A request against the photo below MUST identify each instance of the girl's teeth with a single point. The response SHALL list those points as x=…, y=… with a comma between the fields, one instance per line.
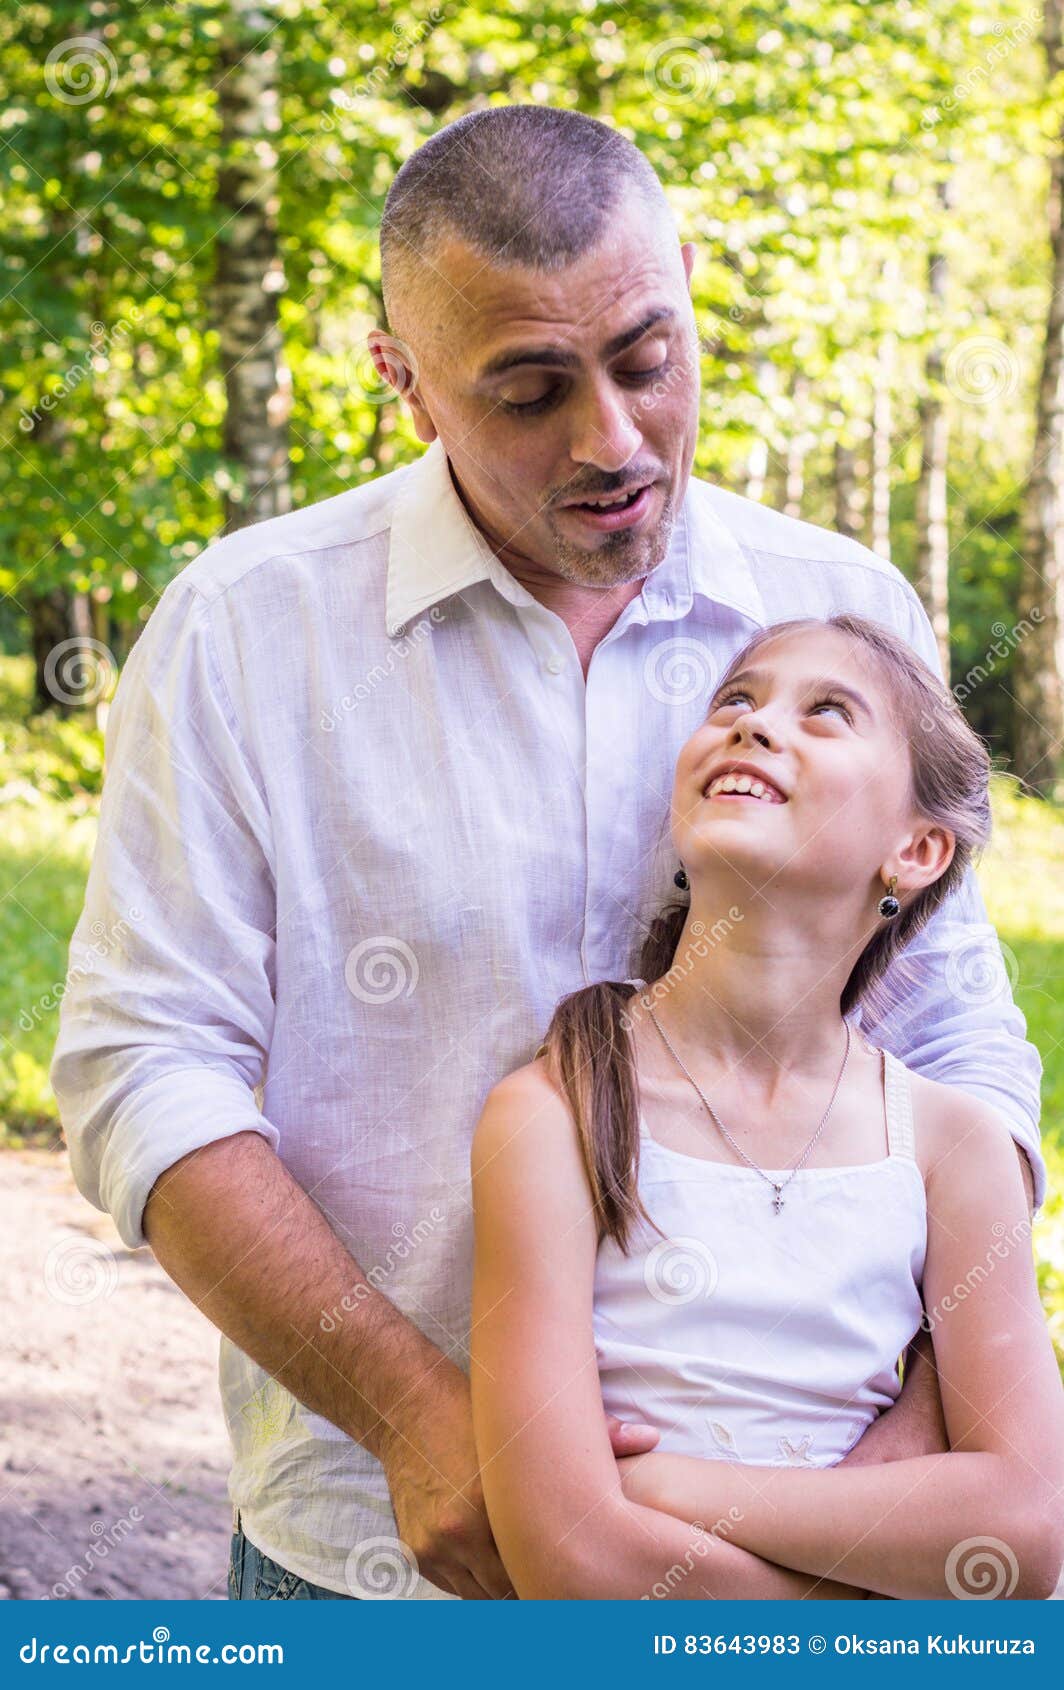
x=743, y=783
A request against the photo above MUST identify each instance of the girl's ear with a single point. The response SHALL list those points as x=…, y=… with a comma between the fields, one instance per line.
x=923, y=858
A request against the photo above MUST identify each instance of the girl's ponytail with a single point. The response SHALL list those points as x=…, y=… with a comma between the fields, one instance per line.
x=589, y=1055
x=589, y=1058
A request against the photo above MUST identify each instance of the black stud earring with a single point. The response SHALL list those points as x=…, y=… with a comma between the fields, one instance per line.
x=680, y=879
x=889, y=905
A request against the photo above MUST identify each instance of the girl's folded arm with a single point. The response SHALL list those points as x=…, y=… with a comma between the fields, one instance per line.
x=923, y=1527
x=562, y=1524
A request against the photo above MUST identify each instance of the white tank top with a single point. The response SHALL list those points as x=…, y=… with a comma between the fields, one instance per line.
x=764, y=1338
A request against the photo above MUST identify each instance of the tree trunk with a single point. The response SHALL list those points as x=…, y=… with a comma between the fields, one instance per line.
x=1038, y=717
x=757, y=469
x=932, y=502
x=249, y=273
x=794, y=469
x=63, y=679
x=849, y=511
x=881, y=447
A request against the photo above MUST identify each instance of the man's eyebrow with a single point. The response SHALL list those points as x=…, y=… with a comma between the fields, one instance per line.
x=822, y=683
x=557, y=360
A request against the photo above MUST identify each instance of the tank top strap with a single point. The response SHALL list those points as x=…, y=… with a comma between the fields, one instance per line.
x=897, y=1091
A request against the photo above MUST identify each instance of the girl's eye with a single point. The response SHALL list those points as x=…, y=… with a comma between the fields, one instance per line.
x=729, y=698
x=833, y=704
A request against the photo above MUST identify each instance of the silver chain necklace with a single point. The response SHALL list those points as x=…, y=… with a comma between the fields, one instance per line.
x=777, y=1185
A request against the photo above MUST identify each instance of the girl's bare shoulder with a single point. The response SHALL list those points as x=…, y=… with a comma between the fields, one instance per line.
x=953, y=1130
x=526, y=1102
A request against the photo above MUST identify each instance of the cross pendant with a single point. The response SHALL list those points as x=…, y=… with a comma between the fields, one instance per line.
x=777, y=1201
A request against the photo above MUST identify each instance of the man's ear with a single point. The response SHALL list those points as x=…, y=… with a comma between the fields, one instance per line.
x=687, y=253
x=397, y=366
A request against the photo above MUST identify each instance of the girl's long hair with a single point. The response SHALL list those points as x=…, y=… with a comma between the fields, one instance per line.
x=588, y=1047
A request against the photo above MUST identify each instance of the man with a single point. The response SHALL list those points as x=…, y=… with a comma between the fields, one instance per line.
x=387, y=777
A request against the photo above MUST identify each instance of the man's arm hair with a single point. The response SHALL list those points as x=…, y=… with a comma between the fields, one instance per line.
x=245, y=1243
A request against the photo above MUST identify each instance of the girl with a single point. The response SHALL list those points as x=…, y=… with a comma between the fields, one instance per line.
x=708, y=1204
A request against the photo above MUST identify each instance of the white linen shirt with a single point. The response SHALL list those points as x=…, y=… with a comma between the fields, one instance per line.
x=364, y=823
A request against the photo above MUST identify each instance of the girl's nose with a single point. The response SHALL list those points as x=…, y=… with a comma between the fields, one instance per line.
x=756, y=732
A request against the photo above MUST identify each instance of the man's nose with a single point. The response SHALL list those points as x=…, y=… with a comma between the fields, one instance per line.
x=603, y=433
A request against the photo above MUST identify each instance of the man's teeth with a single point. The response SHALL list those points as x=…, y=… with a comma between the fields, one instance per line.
x=608, y=504
x=743, y=783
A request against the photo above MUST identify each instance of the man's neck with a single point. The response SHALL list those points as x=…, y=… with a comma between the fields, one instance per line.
x=588, y=612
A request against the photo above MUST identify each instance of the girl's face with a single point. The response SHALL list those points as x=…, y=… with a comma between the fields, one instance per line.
x=827, y=774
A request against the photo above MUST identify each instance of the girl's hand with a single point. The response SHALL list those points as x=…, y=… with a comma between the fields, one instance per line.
x=630, y=1437
x=644, y=1478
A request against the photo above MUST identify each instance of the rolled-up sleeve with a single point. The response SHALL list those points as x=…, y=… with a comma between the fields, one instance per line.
x=168, y=1006
x=950, y=1013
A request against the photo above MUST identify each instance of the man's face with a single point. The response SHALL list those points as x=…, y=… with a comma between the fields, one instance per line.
x=548, y=389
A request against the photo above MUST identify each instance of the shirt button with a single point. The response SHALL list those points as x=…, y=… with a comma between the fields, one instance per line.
x=554, y=664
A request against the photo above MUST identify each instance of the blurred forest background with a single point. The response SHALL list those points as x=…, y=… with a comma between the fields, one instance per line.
x=189, y=199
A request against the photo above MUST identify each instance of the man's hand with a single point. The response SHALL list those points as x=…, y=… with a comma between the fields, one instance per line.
x=915, y=1425
x=430, y=1461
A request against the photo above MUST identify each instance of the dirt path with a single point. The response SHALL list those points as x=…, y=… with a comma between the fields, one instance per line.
x=113, y=1451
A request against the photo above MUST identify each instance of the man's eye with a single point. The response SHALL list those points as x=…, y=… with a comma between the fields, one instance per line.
x=529, y=407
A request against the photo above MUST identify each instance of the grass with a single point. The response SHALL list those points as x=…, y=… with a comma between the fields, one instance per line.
x=50, y=779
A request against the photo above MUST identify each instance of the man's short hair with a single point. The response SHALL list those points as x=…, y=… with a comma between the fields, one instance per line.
x=530, y=185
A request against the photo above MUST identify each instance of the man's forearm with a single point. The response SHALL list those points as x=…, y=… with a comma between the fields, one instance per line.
x=245, y=1243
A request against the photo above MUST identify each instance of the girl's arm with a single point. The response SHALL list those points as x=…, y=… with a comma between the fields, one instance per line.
x=550, y=1479
x=928, y=1526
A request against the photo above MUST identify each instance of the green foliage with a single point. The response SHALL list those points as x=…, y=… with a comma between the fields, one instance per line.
x=801, y=147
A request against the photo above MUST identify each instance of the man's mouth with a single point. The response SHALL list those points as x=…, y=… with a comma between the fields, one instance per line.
x=613, y=510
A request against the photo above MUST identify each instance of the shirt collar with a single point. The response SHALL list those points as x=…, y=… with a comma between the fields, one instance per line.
x=436, y=550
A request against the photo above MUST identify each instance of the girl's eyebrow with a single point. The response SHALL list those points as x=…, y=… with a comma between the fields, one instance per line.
x=859, y=702
x=822, y=682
